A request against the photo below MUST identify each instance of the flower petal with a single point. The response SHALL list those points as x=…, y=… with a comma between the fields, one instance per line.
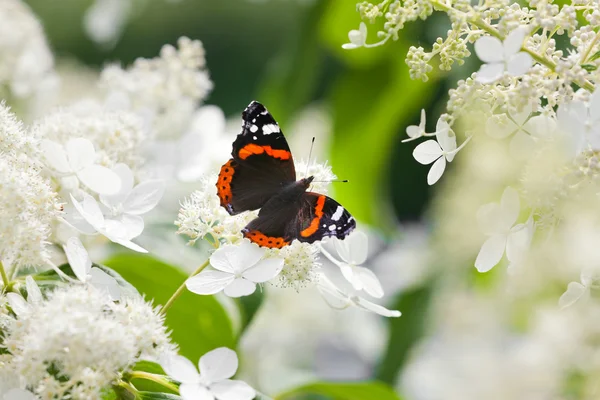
x=332, y=295
x=540, y=126
x=236, y=258
x=195, y=392
x=218, y=364
x=19, y=394
x=514, y=41
x=209, y=282
x=100, y=179
x=103, y=281
x=240, y=287
x=575, y=291
x=594, y=109
x=489, y=73
x=126, y=176
x=18, y=304
x=445, y=137
x=80, y=153
x=349, y=46
x=131, y=225
x=521, y=145
x=519, y=64
x=354, y=248
x=376, y=308
x=264, y=271
x=518, y=241
x=436, y=171
x=78, y=258
x=510, y=206
x=179, y=368
x=490, y=219
x=369, y=281
x=34, y=294
x=491, y=253
x=348, y=273
x=144, y=197
x=427, y=152
x=232, y=390
x=89, y=210
x=489, y=49
x=55, y=156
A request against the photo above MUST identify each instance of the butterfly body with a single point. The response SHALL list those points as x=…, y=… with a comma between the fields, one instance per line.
x=261, y=175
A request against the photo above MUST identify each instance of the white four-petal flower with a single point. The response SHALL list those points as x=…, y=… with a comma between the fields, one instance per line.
x=416, y=131
x=216, y=367
x=580, y=123
x=579, y=291
x=81, y=264
x=114, y=230
x=502, y=56
x=126, y=206
x=237, y=270
x=357, y=38
x=77, y=159
x=340, y=300
x=438, y=152
x=352, y=252
x=498, y=222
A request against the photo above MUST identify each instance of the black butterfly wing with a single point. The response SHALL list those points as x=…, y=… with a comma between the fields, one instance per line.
x=313, y=217
x=261, y=165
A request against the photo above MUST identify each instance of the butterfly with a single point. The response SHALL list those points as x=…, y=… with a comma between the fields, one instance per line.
x=261, y=175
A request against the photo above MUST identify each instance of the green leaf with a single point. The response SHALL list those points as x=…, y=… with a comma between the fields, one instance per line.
x=371, y=390
x=199, y=323
x=589, y=67
x=157, y=396
x=148, y=366
x=595, y=56
x=405, y=331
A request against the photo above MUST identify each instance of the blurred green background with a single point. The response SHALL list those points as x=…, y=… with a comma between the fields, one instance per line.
x=287, y=54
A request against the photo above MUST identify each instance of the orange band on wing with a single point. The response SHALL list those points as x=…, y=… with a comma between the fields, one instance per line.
x=265, y=241
x=314, y=224
x=251, y=149
x=224, y=183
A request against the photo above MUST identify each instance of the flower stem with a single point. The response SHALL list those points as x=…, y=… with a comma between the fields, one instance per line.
x=181, y=288
x=161, y=380
x=5, y=280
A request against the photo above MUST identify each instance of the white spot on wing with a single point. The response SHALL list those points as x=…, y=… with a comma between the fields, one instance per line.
x=254, y=137
x=338, y=213
x=253, y=128
x=265, y=112
x=270, y=128
x=332, y=227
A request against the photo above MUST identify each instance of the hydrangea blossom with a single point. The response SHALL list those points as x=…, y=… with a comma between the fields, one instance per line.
x=237, y=270
x=577, y=291
x=339, y=299
x=103, y=338
x=498, y=222
x=358, y=38
x=19, y=305
x=216, y=368
x=300, y=264
x=500, y=57
x=352, y=252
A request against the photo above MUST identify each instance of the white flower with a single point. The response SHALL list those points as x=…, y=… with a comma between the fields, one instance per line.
x=19, y=305
x=81, y=264
x=416, y=131
x=502, y=56
x=78, y=158
x=580, y=122
x=357, y=38
x=216, y=367
x=498, y=222
x=579, y=291
x=86, y=337
x=300, y=264
x=352, y=252
x=126, y=206
x=438, y=152
x=522, y=128
x=105, y=20
x=116, y=231
x=238, y=268
x=338, y=299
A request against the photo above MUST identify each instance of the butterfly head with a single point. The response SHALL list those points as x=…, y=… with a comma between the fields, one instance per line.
x=307, y=181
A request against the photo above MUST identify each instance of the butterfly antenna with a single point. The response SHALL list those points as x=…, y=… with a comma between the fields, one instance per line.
x=312, y=144
x=335, y=181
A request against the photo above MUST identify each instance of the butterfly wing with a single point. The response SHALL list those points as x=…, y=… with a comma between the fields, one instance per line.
x=260, y=166
x=313, y=217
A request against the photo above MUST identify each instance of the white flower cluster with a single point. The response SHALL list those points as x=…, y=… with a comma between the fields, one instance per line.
x=88, y=341
x=28, y=204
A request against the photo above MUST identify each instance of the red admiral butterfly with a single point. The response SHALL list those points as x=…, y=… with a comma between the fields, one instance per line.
x=261, y=174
